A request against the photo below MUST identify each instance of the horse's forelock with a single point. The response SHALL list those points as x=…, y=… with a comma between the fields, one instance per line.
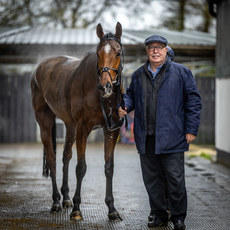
x=106, y=38
x=110, y=36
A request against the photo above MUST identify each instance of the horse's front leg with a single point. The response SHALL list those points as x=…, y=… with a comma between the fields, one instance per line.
x=67, y=155
x=109, y=145
x=81, y=138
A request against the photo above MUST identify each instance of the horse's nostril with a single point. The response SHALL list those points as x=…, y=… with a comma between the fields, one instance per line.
x=108, y=85
x=100, y=87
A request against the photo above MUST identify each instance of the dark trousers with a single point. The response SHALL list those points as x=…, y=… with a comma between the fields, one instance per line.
x=158, y=170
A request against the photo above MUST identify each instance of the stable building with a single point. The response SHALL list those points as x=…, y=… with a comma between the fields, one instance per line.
x=21, y=49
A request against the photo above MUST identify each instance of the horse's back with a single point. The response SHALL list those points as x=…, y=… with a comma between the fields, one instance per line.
x=54, y=68
x=51, y=85
x=67, y=85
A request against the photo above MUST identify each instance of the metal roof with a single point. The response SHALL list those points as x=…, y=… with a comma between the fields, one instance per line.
x=68, y=36
x=191, y=38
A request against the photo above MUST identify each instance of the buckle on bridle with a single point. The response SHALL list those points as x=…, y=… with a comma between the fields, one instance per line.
x=106, y=69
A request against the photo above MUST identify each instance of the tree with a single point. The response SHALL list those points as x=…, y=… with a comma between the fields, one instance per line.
x=174, y=17
x=200, y=7
x=187, y=14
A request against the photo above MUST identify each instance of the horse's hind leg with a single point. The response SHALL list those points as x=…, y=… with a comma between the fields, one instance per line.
x=67, y=155
x=46, y=121
x=81, y=138
x=109, y=145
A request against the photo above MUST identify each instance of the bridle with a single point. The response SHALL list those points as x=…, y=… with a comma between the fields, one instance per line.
x=118, y=71
x=106, y=69
x=110, y=123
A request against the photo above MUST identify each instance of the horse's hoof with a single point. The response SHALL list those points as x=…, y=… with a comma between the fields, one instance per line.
x=67, y=204
x=114, y=216
x=76, y=215
x=55, y=208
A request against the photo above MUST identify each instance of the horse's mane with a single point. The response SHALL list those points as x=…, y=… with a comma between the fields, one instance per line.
x=89, y=55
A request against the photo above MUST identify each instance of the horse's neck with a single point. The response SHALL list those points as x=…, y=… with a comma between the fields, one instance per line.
x=84, y=77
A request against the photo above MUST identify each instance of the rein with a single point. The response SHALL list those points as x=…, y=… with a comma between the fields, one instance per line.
x=109, y=121
x=111, y=125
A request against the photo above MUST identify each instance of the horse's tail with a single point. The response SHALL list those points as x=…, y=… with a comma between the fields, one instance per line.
x=46, y=171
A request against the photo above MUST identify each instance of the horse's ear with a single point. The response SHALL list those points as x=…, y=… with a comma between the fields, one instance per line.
x=118, y=31
x=100, y=32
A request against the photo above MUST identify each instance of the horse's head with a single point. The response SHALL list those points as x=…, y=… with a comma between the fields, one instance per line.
x=109, y=53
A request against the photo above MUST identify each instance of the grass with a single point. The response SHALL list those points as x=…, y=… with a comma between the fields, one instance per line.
x=203, y=154
x=193, y=155
x=206, y=156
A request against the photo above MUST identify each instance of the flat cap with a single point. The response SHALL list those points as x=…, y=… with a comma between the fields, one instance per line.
x=156, y=38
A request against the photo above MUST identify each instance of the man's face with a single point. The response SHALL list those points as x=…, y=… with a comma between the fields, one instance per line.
x=156, y=53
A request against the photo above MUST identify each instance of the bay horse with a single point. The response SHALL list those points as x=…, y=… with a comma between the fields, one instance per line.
x=84, y=94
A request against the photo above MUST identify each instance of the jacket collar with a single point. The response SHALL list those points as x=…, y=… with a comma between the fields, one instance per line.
x=166, y=65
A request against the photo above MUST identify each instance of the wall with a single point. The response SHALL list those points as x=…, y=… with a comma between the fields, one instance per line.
x=17, y=123
x=223, y=83
x=206, y=87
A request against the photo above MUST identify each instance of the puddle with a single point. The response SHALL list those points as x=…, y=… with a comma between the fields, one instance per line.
x=191, y=165
x=199, y=169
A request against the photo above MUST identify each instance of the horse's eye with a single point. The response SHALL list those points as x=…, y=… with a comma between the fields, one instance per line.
x=118, y=53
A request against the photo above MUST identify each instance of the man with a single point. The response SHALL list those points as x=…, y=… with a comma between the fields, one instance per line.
x=167, y=109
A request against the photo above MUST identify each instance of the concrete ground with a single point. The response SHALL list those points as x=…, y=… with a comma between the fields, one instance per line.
x=25, y=196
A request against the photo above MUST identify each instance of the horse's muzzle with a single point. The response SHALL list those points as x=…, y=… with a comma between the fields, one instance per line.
x=106, y=90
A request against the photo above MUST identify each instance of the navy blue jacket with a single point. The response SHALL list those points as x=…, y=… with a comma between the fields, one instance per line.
x=177, y=113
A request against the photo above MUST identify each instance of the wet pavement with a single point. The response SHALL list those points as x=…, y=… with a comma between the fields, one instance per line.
x=25, y=196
